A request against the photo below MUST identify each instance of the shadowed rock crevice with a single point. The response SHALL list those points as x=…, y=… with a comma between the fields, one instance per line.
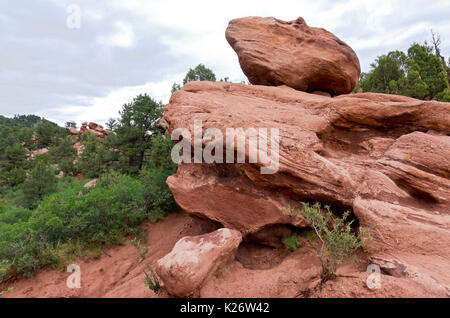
x=255, y=256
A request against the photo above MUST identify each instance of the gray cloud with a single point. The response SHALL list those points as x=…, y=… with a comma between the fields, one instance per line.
x=126, y=46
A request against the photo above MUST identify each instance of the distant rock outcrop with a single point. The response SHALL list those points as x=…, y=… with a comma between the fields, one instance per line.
x=273, y=52
x=91, y=127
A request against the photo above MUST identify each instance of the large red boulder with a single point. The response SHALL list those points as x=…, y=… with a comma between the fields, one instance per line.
x=273, y=52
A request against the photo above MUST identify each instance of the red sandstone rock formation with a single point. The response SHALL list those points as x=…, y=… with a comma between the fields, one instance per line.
x=93, y=128
x=274, y=52
x=73, y=131
x=385, y=158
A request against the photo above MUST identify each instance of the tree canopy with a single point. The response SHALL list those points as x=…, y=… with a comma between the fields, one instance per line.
x=136, y=127
x=199, y=73
x=419, y=73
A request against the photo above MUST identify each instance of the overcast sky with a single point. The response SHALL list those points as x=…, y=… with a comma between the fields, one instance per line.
x=124, y=48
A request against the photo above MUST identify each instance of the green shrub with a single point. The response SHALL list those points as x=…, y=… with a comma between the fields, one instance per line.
x=65, y=223
x=161, y=154
x=15, y=215
x=9, y=290
x=158, y=198
x=63, y=154
x=151, y=280
x=336, y=240
x=291, y=242
x=15, y=177
x=6, y=271
x=142, y=250
x=14, y=197
x=3, y=207
x=444, y=96
x=101, y=216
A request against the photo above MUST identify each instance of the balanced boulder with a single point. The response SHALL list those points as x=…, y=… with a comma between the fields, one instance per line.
x=273, y=52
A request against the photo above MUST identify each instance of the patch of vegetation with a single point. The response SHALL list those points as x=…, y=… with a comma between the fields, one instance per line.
x=291, y=242
x=102, y=216
x=41, y=182
x=10, y=290
x=220, y=271
x=420, y=73
x=151, y=280
x=26, y=130
x=142, y=250
x=336, y=241
x=158, y=197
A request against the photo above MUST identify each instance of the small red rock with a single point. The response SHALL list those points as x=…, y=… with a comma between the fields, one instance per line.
x=195, y=258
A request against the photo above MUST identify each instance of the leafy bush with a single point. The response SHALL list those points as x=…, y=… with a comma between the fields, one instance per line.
x=66, y=222
x=158, y=197
x=15, y=177
x=12, y=169
x=336, y=240
x=142, y=250
x=101, y=216
x=161, y=153
x=151, y=280
x=88, y=162
x=15, y=215
x=444, y=96
x=3, y=207
x=291, y=242
x=9, y=290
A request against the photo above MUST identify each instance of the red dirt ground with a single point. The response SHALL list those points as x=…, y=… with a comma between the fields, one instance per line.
x=256, y=272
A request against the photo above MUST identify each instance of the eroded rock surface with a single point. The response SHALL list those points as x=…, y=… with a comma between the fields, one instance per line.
x=274, y=52
x=385, y=158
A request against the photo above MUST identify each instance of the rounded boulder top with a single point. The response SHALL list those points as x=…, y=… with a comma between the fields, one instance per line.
x=273, y=52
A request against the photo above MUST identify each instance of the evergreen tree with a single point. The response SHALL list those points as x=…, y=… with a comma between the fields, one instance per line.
x=48, y=134
x=111, y=124
x=64, y=155
x=88, y=163
x=200, y=73
x=70, y=124
x=136, y=127
x=41, y=183
x=419, y=74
